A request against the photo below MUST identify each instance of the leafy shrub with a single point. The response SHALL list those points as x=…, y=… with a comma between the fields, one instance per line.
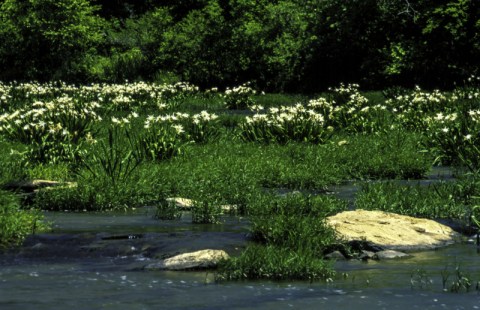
x=206, y=211
x=167, y=210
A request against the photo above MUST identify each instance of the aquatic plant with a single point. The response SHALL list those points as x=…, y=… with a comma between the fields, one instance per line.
x=111, y=159
x=435, y=201
x=16, y=224
x=166, y=210
x=275, y=263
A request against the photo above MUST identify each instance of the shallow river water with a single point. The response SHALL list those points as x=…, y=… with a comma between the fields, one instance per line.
x=93, y=261
x=51, y=273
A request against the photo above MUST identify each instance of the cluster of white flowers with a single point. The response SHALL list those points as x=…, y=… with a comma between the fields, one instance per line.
x=139, y=93
x=239, y=96
x=441, y=122
x=343, y=89
x=203, y=117
x=56, y=118
x=286, y=114
x=114, y=96
x=162, y=119
x=419, y=101
x=122, y=121
x=473, y=79
x=243, y=89
x=321, y=103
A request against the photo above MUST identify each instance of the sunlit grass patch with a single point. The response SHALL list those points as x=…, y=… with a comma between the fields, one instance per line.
x=436, y=201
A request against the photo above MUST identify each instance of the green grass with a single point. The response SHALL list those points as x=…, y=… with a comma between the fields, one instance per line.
x=271, y=262
x=16, y=224
x=436, y=201
x=210, y=164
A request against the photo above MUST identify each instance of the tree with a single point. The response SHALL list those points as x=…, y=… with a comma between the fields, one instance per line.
x=47, y=39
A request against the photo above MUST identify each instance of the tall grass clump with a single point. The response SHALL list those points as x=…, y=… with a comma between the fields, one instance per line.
x=436, y=201
x=16, y=224
x=274, y=263
x=295, y=221
x=394, y=154
x=290, y=236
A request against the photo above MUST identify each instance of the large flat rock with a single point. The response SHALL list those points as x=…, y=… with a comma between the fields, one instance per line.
x=392, y=231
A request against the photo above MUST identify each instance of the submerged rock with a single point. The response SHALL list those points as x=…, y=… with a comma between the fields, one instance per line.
x=203, y=259
x=392, y=231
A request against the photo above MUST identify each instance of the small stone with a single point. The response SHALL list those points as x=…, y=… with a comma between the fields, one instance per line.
x=390, y=254
x=182, y=203
x=364, y=255
x=203, y=259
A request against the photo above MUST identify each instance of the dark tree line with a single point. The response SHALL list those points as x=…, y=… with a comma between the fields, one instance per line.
x=281, y=45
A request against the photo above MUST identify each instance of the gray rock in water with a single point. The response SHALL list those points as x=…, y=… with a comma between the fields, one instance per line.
x=203, y=259
x=364, y=255
x=390, y=254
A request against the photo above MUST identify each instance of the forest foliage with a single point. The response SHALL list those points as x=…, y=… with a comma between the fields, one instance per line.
x=278, y=45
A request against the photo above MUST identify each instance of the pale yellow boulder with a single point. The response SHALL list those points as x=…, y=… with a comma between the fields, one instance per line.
x=392, y=231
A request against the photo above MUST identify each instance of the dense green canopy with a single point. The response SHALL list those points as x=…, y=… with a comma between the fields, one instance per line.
x=281, y=45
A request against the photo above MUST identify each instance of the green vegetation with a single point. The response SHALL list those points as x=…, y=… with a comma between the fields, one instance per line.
x=438, y=201
x=137, y=144
x=224, y=142
x=287, y=45
x=16, y=224
x=294, y=238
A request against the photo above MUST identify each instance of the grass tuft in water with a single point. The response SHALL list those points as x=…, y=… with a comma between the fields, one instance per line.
x=16, y=224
